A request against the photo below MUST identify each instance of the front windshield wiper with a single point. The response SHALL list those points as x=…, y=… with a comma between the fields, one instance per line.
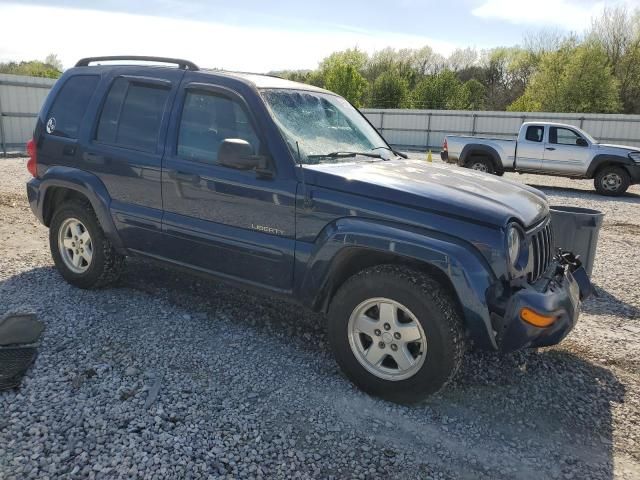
x=346, y=155
x=395, y=152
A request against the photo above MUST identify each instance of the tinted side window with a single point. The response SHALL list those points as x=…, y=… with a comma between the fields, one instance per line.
x=563, y=136
x=132, y=114
x=535, y=134
x=207, y=120
x=70, y=105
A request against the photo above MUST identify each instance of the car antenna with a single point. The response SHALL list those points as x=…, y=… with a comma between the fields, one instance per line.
x=307, y=203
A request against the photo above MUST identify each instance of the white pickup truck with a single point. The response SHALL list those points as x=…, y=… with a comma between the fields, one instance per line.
x=549, y=149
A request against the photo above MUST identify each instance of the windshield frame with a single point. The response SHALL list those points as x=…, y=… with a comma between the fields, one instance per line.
x=320, y=92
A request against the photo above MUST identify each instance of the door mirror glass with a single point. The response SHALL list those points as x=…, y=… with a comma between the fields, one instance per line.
x=581, y=142
x=238, y=153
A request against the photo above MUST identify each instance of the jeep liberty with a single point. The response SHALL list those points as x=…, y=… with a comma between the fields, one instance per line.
x=287, y=189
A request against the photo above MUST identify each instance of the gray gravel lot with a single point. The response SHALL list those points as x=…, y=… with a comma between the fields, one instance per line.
x=169, y=375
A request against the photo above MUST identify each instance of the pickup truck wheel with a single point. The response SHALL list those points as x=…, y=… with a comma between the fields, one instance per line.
x=480, y=164
x=396, y=333
x=612, y=181
x=81, y=252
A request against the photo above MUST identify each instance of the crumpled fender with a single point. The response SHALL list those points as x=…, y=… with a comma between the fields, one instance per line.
x=469, y=273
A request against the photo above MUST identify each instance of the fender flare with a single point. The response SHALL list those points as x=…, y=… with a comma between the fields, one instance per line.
x=85, y=183
x=489, y=151
x=462, y=264
x=608, y=159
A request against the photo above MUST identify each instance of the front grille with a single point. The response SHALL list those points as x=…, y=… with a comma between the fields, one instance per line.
x=540, y=251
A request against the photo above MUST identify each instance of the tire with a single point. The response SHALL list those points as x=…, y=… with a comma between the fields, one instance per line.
x=611, y=181
x=431, y=311
x=99, y=264
x=481, y=164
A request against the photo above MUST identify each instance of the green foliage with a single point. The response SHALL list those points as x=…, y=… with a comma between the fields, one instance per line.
x=389, y=90
x=345, y=80
x=599, y=73
x=441, y=91
x=50, y=68
x=572, y=79
x=474, y=95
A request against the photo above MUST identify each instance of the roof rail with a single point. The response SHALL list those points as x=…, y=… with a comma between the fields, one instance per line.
x=182, y=64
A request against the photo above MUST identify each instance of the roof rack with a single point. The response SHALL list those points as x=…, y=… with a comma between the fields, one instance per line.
x=182, y=64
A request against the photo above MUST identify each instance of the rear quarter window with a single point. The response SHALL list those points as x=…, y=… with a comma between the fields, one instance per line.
x=68, y=109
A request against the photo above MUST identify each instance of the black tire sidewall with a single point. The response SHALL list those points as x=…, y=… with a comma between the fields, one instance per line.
x=626, y=181
x=484, y=161
x=440, y=357
x=90, y=277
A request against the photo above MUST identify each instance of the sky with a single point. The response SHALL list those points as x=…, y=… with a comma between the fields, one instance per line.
x=263, y=35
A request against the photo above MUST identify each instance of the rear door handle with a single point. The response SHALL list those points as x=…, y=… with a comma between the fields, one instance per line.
x=185, y=177
x=550, y=148
x=69, y=150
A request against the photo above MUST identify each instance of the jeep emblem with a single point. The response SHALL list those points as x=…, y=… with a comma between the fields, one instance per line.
x=51, y=125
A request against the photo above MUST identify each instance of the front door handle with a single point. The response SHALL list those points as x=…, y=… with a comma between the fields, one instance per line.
x=550, y=148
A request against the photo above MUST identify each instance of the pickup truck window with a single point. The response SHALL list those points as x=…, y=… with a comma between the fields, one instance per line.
x=321, y=123
x=535, y=133
x=207, y=120
x=132, y=114
x=563, y=136
x=69, y=107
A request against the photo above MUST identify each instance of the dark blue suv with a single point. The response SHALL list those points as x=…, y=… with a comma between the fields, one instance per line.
x=287, y=189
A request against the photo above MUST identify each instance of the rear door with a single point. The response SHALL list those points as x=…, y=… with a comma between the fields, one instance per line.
x=566, y=152
x=126, y=146
x=230, y=222
x=530, y=151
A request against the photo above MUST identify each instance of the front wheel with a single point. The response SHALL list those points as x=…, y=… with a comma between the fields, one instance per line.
x=612, y=181
x=396, y=333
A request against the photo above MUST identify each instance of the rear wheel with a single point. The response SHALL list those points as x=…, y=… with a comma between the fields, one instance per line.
x=612, y=181
x=396, y=333
x=80, y=250
x=481, y=164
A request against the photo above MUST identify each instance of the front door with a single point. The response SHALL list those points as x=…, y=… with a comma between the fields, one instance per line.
x=566, y=152
x=231, y=222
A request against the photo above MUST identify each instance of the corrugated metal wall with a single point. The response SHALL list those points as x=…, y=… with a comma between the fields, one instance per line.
x=20, y=101
x=422, y=129
x=21, y=98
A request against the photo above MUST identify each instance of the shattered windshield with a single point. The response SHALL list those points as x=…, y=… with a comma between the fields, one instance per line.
x=326, y=127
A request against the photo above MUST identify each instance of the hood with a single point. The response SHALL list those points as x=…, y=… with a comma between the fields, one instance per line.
x=455, y=191
x=627, y=149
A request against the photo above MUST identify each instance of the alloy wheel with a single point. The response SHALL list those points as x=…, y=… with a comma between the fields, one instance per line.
x=387, y=339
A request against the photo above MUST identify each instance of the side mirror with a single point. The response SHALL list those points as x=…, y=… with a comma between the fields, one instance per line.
x=238, y=153
x=581, y=142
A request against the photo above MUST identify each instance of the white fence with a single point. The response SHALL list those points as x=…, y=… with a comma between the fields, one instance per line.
x=422, y=129
x=21, y=98
x=20, y=101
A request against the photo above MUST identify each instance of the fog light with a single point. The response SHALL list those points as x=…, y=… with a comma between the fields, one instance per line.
x=536, y=319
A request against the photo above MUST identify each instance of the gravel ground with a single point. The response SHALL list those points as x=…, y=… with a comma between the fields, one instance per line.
x=167, y=375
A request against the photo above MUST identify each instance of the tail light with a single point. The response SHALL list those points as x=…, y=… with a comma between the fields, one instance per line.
x=32, y=164
x=445, y=146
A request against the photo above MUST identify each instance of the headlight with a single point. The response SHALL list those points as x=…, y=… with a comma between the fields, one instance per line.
x=515, y=247
x=635, y=156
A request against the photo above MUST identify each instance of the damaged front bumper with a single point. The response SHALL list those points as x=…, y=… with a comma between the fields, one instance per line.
x=542, y=313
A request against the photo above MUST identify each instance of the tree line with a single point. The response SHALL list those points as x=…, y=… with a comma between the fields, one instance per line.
x=597, y=72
